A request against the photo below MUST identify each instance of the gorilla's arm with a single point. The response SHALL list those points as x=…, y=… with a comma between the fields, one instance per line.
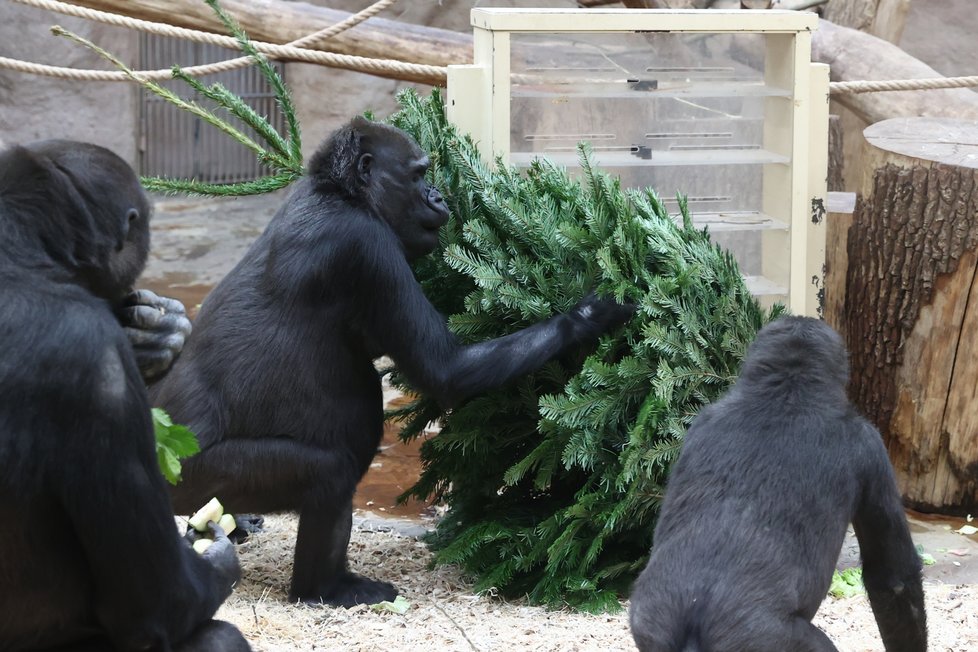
x=151, y=590
x=157, y=328
x=891, y=565
x=398, y=317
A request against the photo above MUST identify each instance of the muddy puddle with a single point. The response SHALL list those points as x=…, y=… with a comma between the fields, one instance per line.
x=181, y=286
x=394, y=470
x=925, y=522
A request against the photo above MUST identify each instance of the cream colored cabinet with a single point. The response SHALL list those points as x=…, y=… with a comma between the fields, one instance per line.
x=724, y=107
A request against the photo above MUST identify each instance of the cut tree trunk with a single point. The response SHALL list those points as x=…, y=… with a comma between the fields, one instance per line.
x=911, y=308
x=852, y=56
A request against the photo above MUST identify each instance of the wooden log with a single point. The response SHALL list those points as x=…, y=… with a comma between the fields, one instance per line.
x=277, y=21
x=836, y=266
x=836, y=172
x=853, y=55
x=911, y=311
x=882, y=18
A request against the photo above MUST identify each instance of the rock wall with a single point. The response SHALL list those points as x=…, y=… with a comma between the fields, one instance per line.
x=34, y=107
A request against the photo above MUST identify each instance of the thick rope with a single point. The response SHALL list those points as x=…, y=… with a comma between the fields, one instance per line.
x=290, y=51
x=298, y=51
x=902, y=85
x=343, y=25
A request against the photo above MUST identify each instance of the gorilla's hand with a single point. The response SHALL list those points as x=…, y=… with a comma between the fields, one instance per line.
x=157, y=328
x=224, y=559
x=593, y=316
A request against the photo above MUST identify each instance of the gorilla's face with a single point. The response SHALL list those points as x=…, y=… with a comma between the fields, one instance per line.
x=392, y=169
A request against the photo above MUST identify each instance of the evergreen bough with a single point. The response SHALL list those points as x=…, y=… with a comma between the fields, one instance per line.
x=282, y=155
x=553, y=484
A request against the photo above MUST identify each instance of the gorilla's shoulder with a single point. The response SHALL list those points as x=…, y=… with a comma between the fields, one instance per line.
x=75, y=324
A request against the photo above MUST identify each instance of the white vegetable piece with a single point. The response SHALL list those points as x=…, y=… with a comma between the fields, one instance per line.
x=227, y=523
x=200, y=545
x=212, y=511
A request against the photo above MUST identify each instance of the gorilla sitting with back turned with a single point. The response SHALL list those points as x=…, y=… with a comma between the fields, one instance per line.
x=90, y=559
x=278, y=380
x=757, y=506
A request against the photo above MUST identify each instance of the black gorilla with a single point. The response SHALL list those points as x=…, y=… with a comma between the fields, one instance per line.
x=757, y=507
x=278, y=380
x=90, y=558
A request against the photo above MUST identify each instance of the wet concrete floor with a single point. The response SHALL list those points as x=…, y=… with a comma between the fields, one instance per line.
x=197, y=241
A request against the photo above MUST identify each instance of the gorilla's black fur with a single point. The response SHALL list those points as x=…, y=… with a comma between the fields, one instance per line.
x=757, y=506
x=90, y=558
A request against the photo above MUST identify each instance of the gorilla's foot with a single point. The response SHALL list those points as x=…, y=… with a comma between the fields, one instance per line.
x=246, y=525
x=350, y=590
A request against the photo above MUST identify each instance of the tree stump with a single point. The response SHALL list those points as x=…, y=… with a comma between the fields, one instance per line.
x=911, y=307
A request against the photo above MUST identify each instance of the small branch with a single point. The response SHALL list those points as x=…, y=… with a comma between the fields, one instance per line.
x=457, y=626
x=285, y=154
x=165, y=93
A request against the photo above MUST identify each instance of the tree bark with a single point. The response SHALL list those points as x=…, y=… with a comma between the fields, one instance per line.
x=836, y=171
x=912, y=305
x=836, y=231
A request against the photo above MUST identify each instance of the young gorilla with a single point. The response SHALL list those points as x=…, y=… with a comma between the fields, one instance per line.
x=278, y=380
x=757, y=507
x=90, y=558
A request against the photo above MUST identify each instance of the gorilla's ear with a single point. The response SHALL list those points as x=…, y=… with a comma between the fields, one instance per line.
x=364, y=168
x=131, y=216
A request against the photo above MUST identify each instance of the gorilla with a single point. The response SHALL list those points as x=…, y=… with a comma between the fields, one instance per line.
x=90, y=559
x=757, y=506
x=278, y=380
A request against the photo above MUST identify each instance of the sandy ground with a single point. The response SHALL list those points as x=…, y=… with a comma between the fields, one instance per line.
x=446, y=615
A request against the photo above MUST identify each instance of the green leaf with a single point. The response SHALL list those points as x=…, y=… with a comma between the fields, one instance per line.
x=926, y=558
x=173, y=442
x=169, y=464
x=847, y=583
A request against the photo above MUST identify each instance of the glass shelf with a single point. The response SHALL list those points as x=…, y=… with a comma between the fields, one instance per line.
x=730, y=114
x=760, y=286
x=634, y=157
x=642, y=89
x=736, y=221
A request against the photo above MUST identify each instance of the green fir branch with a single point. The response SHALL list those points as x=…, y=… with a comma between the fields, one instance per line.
x=283, y=156
x=553, y=484
x=220, y=95
x=283, y=96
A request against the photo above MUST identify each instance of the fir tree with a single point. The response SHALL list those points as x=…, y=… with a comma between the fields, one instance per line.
x=553, y=484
